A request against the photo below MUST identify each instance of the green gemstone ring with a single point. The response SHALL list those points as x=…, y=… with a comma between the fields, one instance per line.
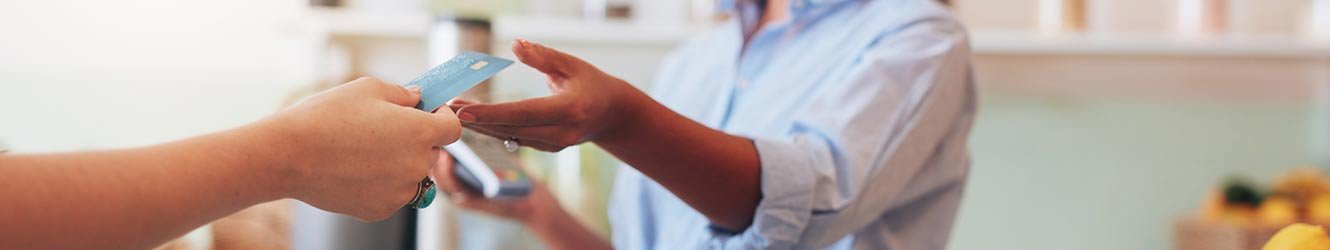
x=424, y=194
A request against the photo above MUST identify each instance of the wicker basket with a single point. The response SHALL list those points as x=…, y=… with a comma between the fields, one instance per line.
x=1193, y=233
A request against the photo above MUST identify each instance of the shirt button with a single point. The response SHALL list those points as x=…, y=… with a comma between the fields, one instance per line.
x=743, y=84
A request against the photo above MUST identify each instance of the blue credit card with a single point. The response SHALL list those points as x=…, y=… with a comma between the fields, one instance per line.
x=450, y=79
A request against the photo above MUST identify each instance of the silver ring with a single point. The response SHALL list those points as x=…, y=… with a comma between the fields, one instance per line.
x=511, y=144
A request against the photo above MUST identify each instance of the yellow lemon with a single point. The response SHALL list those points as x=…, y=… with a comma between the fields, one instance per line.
x=1318, y=210
x=1299, y=237
x=1278, y=211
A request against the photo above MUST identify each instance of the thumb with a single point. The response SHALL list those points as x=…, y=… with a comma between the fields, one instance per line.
x=407, y=96
x=547, y=60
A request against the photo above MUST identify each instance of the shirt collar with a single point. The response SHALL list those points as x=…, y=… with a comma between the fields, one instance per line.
x=797, y=7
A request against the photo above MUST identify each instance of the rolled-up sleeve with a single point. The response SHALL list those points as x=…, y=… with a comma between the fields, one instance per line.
x=853, y=150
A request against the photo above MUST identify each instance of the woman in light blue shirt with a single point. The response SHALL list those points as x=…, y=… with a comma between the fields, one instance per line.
x=797, y=124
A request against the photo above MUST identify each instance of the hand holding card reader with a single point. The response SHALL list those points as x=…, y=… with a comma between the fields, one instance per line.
x=482, y=162
x=483, y=165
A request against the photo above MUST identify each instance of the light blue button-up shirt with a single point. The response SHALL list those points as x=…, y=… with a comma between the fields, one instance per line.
x=859, y=110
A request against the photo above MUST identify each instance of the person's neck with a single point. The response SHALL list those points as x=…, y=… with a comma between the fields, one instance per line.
x=776, y=10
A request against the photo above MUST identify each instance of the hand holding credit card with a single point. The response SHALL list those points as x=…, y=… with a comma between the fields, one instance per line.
x=485, y=168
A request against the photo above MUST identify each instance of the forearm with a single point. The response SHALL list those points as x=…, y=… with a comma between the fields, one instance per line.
x=133, y=198
x=558, y=229
x=714, y=172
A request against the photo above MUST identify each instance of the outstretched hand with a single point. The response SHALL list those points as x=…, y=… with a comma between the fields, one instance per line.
x=587, y=104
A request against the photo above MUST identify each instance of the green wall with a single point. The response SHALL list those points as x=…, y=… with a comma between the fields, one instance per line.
x=1115, y=174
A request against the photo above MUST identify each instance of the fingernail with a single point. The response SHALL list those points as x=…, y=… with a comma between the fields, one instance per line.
x=413, y=89
x=526, y=45
x=466, y=117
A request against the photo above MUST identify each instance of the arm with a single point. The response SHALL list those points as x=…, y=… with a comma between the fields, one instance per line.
x=719, y=178
x=845, y=161
x=135, y=198
x=559, y=229
x=314, y=151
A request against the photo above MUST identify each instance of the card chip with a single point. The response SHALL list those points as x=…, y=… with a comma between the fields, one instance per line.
x=479, y=65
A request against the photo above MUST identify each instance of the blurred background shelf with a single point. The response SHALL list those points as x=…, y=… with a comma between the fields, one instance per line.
x=632, y=50
x=567, y=29
x=1004, y=42
x=1034, y=43
x=371, y=23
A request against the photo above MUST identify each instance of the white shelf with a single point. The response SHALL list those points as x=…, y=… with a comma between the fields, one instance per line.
x=549, y=29
x=371, y=23
x=1031, y=43
x=984, y=42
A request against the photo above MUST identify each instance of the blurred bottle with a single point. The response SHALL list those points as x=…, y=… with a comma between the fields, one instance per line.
x=1265, y=17
x=594, y=10
x=325, y=3
x=1200, y=18
x=1061, y=16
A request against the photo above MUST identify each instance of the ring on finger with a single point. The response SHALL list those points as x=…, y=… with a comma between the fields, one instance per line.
x=511, y=144
x=425, y=192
